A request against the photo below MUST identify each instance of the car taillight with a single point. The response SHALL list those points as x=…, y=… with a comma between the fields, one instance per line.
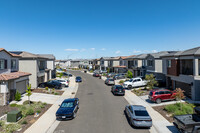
x=123, y=89
x=137, y=120
x=116, y=90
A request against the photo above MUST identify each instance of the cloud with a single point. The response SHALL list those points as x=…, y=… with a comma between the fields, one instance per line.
x=154, y=51
x=117, y=52
x=103, y=49
x=82, y=50
x=92, y=48
x=136, y=51
x=71, y=49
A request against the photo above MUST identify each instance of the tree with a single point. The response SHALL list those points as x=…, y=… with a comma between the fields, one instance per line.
x=108, y=70
x=129, y=74
x=151, y=81
x=29, y=93
x=179, y=95
x=17, y=96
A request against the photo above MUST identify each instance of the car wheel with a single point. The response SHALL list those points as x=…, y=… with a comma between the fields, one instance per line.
x=158, y=101
x=129, y=87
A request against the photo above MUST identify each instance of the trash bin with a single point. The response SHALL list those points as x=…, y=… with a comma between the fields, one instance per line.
x=14, y=116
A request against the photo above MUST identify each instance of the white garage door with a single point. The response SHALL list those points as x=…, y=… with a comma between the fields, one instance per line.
x=21, y=86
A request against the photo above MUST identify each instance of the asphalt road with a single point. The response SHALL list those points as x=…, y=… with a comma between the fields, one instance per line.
x=100, y=111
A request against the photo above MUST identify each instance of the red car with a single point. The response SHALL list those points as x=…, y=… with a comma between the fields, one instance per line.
x=159, y=95
x=96, y=75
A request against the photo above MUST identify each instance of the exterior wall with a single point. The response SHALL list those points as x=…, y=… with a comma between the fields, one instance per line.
x=116, y=63
x=174, y=69
x=6, y=56
x=51, y=64
x=139, y=64
x=158, y=65
x=151, y=68
x=30, y=66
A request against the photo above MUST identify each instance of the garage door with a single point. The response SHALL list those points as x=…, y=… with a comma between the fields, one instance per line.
x=21, y=86
x=185, y=87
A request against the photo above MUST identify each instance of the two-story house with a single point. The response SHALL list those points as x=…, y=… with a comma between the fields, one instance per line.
x=182, y=70
x=104, y=63
x=51, y=69
x=154, y=66
x=34, y=64
x=11, y=79
x=96, y=64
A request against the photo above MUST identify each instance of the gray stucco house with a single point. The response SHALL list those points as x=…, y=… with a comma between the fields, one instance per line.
x=11, y=79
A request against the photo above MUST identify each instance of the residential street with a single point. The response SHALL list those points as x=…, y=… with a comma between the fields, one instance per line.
x=100, y=111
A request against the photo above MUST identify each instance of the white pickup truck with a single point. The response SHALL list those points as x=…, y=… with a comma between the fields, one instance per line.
x=134, y=82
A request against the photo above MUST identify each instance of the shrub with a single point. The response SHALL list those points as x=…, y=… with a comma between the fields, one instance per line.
x=24, y=122
x=17, y=96
x=27, y=102
x=13, y=105
x=44, y=103
x=42, y=106
x=38, y=111
x=151, y=81
x=121, y=81
x=29, y=111
x=56, y=93
x=2, y=123
x=46, y=88
x=129, y=74
x=11, y=128
x=170, y=108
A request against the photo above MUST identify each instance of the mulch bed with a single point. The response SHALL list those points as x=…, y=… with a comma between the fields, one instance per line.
x=145, y=92
x=46, y=92
x=5, y=109
x=31, y=119
x=160, y=109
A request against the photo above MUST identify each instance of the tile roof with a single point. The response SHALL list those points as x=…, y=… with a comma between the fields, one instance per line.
x=14, y=55
x=13, y=75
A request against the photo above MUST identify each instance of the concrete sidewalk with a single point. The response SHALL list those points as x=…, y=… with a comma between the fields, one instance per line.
x=47, y=122
x=160, y=124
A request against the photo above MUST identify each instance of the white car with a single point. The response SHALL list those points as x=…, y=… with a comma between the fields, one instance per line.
x=134, y=82
x=64, y=82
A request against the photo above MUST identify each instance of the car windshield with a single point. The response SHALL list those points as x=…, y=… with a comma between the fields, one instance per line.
x=78, y=77
x=61, y=80
x=119, y=87
x=131, y=80
x=150, y=93
x=111, y=79
x=67, y=105
x=141, y=113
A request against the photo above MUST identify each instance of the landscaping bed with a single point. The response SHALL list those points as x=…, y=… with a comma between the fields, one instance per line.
x=28, y=116
x=55, y=92
x=168, y=111
x=5, y=109
x=141, y=92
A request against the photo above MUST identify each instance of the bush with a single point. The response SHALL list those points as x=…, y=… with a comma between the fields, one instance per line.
x=24, y=122
x=129, y=74
x=2, y=123
x=27, y=102
x=11, y=128
x=17, y=96
x=13, y=105
x=38, y=111
x=29, y=111
x=56, y=93
x=121, y=81
x=44, y=103
x=46, y=88
x=179, y=108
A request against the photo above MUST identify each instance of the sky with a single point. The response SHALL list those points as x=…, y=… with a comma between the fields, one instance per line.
x=95, y=28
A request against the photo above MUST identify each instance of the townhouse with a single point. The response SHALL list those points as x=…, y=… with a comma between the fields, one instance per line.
x=104, y=63
x=34, y=64
x=182, y=70
x=11, y=79
x=63, y=63
x=153, y=65
x=96, y=64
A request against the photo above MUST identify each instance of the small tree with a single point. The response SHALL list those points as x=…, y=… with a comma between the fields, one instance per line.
x=60, y=75
x=179, y=95
x=29, y=93
x=151, y=81
x=108, y=70
x=129, y=74
x=17, y=96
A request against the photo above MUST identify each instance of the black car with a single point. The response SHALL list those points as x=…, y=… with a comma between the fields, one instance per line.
x=68, y=109
x=118, y=90
x=67, y=74
x=51, y=84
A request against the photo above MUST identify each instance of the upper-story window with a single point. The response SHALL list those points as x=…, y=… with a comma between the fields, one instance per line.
x=169, y=63
x=135, y=63
x=41, y=65
x=3, y=64
x=121, y=63
x=13, y=64
x=150, y=63
x=102, y=62
x=143, y=62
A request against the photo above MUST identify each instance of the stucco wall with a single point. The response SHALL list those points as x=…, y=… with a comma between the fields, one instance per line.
x=29, y=66
x=116, y=63
x=158, y=65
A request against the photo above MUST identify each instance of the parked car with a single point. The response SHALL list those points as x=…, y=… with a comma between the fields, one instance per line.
x=51, y=84
x=64, y=82
x=134, y=82
x=138, y=116
x=118, y=90
x=103, y=71
x=59, y=70
x=110, y=81
x=119, y=76
x=189, y=123
x=96, y=74
x=68, y=109
x=67, y=74
x=159, y=95
x=111, y=75
x=78, y=79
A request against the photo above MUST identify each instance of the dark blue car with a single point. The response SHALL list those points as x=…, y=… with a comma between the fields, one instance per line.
x=78, y=79
x=68, y=109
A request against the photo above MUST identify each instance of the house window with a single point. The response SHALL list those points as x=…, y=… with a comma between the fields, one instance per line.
x=143, y=62
x=121, y=63
x=169, y=63
x=13, y=64
x=41, y=65
x=3, y=64
x=102, y=62
x=150, y=63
